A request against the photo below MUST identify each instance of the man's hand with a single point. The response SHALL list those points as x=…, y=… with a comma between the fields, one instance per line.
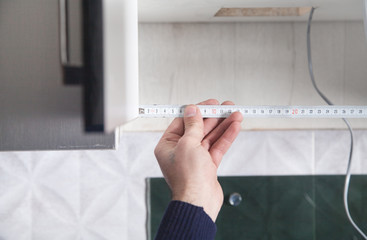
x=190, y=152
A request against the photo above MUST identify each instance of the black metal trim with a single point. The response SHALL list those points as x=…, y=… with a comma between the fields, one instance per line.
x=73, y=75
x=93, y=97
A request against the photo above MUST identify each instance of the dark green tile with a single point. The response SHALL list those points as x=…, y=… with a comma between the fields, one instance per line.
x=158, y=198
x=272, y=208
x=331, y=219
x=279, y=207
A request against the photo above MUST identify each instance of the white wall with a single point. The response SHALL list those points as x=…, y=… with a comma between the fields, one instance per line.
x=252, y=64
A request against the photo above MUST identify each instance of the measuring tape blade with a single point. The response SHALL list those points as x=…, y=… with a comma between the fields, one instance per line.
x=223, y=111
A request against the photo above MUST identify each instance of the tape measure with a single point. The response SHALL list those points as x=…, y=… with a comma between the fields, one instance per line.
x=223, y=111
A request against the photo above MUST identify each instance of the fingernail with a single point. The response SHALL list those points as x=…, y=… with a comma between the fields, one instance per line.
x=190, y=111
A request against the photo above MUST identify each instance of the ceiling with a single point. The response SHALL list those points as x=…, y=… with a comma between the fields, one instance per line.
x=204, y=10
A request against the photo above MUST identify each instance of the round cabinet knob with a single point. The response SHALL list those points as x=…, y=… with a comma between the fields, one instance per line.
x=235, y=199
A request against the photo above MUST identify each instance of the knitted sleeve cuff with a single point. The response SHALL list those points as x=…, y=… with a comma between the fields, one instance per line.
x=186, y=221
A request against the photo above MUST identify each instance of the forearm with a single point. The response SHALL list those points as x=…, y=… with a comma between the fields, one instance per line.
x=186, y=221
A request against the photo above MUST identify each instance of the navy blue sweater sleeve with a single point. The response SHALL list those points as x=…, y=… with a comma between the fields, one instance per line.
x=186, y=221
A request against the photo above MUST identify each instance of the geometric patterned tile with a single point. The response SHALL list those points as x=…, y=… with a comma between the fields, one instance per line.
x=269, y=153
x=332, y=152
x=36, y=198
x=361, y=149
x=141, y=164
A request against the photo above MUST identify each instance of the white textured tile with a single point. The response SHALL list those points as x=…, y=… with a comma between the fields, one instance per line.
x=15, y=212
x=46, y=185
x=141, y=164
x=270, y=153
x=53, y=182
x=15, y=222
x=47, y=222
x=102, y=184
x=361, y=149
x=332, y=153
x=111, y=224
x=54, y=196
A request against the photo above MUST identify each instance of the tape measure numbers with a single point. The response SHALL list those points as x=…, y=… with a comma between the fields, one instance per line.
x=223, y=111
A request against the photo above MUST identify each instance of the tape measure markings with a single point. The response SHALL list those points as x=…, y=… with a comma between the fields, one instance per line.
x=223, y=111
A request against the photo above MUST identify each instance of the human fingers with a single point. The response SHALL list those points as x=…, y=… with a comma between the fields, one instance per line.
x=176, y=127
x=211, y=123
x=169, y=138
x=221, y=146
x=209, y=102
x=193, y=122
x=218, y=131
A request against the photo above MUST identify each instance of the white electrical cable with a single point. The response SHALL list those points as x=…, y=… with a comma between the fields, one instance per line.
x=348, y=174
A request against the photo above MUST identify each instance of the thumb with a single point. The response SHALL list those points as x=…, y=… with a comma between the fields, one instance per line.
x=194, y=124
